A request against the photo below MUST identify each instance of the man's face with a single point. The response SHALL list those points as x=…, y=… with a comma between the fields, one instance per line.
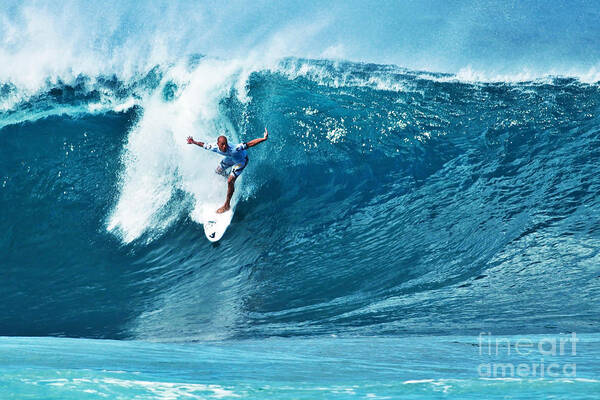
x=222, y=143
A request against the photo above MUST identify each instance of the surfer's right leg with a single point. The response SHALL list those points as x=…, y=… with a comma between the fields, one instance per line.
x=230, y=190
x=235, y=172
x=222, y=167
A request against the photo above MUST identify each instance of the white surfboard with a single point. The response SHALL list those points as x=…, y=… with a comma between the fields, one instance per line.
x=215, y=224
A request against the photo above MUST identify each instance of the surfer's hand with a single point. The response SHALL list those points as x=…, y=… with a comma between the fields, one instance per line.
x=190, y=140
x=256, y=141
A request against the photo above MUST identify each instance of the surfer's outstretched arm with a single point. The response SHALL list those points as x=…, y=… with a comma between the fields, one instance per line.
x=254, y=142
x=191, y=140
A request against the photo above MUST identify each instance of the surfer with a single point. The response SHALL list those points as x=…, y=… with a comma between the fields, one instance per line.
x=235, y=157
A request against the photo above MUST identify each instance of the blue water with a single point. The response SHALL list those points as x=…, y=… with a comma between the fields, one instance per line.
x=283, y=368
x=435, y=208
x=393, y=217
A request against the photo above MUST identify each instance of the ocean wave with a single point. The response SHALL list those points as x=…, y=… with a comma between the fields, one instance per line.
x=384, y=202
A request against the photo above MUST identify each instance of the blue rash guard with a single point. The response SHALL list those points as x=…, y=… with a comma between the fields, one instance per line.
x=235, y=157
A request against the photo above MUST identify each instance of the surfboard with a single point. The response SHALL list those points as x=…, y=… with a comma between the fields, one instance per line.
x=215, y=224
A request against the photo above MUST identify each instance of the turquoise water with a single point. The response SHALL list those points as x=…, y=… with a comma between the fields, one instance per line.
x=301, y=368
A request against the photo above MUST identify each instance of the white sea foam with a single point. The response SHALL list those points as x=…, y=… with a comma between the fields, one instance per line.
x=334, y=74
x=42, y=48
x=105, y=387
x=470, y=75
x=157, y=161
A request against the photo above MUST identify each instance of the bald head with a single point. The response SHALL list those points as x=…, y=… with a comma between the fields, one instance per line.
x=222, y=143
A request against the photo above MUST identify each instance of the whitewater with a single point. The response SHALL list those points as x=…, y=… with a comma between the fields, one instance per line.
x=395, y=214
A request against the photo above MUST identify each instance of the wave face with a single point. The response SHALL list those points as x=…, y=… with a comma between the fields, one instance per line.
x=386, y=201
